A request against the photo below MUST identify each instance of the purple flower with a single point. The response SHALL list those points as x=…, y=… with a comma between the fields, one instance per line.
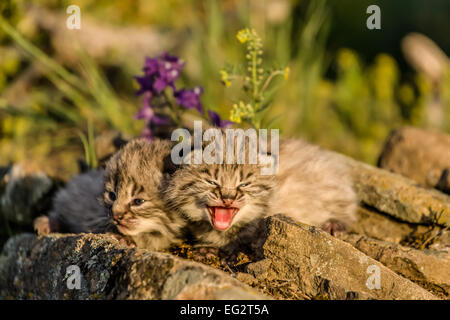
x=189, y=98
x=146, y=84
x=169, y=70
x=151, y=66
x=217, y=121
x=148, y=114
x=151, y=118
x=160, y=73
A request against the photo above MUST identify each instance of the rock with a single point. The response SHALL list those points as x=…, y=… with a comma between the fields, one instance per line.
x=35, y=268
x=430, y=269
x=421, y=155
x=309, y=263
x=398, y=196
x=378, y=225
x=295, y=261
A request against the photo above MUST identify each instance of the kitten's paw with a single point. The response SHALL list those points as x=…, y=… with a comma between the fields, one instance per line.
x=42, y=225
x=205, y=254
x=122, y=239
x=334, y=227
x=228, y=260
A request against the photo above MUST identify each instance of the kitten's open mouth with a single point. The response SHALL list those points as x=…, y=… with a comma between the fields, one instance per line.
x=222, y=217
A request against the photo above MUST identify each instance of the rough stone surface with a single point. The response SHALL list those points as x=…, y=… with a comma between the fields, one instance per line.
x=398, y=196
x=315, y=265
x=428, y=268
x=378, y=225
x=35, y=268
x=421, y=155
x=295, y=261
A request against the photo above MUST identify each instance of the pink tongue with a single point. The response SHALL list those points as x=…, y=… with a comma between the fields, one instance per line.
x=222, y=217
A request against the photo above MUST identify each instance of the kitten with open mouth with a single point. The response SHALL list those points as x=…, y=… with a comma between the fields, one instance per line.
x=222, y=217
x=225, y=203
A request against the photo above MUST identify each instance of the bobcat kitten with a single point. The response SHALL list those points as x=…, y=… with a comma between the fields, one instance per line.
x=314, y=187
x=132, y=193
x=221, y=202
x=131, y=204
x=225, y=202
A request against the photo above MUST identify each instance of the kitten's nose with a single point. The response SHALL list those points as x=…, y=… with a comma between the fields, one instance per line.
x=228, y=195
x=119, y=212
x=118, y=216
x=227, y=202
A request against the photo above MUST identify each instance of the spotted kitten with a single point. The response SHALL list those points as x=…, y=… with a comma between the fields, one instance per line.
x=224, y=203
x=132, y=194
x=130, y=205
x=314, y=187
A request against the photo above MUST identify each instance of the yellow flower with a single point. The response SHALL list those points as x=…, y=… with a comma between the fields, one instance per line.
x=235, y=118
x=244, y=35
x=242, y=111
x=287, y=70
x=225, y=78
x=235, y=115
x=347, y=58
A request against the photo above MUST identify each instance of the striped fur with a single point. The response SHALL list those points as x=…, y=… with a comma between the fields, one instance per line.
x=313, y=186
x=310, y=186
x=136, y=171
x=194, y=187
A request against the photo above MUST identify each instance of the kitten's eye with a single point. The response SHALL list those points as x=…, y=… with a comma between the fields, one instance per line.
x=112, y=196
x=213, y=183
x=243, y=185
x=138, y=202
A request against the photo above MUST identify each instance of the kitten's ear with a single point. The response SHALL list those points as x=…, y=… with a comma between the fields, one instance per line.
x=119, y=141
x=168, y=166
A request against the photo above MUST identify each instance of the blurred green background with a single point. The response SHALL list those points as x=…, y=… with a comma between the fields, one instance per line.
x=348, y=86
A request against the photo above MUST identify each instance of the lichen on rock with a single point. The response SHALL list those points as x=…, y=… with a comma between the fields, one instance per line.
x=32, y=267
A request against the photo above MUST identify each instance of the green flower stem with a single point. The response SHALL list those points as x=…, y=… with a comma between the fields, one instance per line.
x=173, y=109
x=254, y=76
x=269, y=79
